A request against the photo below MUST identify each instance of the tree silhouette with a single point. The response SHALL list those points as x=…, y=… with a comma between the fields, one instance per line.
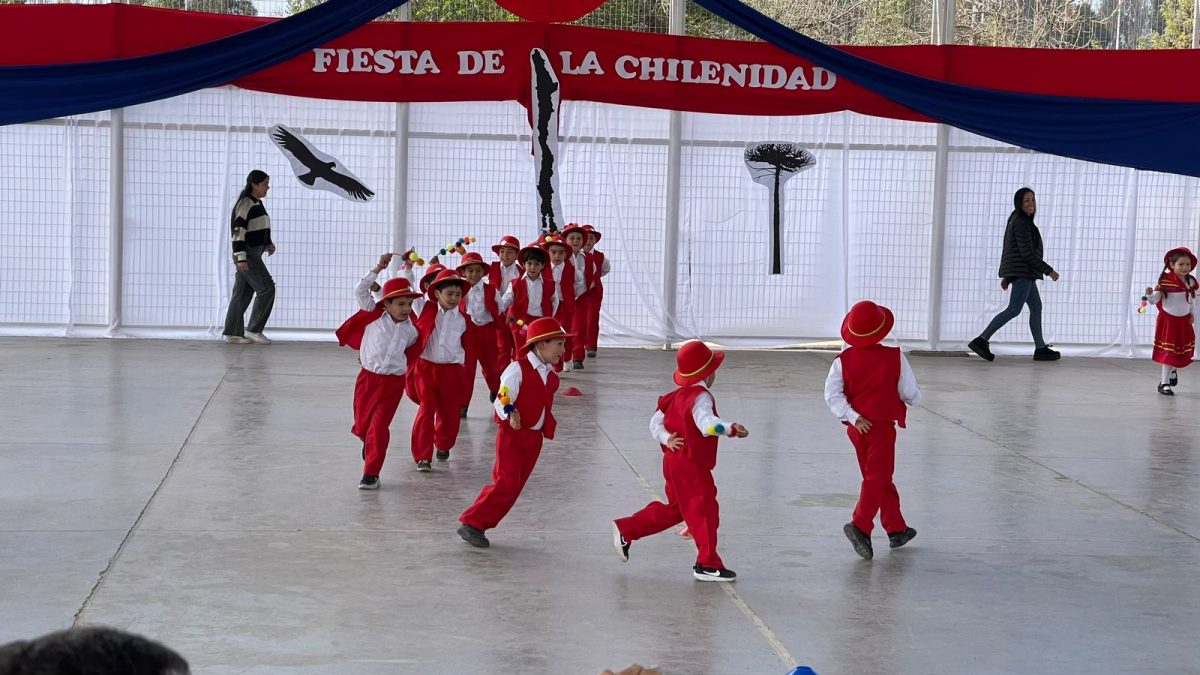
x=772, y=165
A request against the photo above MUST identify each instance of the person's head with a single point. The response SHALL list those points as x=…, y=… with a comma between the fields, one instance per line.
x=95, y=650
x=1025, y=202
x=448, y=289
x=398, y=297
x=546, y=337
x=557, y=249
x=507, y=248
x=431, y=273
x=257, y=185
x=533, y=259
x=472, y=268
x=593, y=237
x=574, y=236
x=696, y=363
x=867, y=324
x=1180, y=260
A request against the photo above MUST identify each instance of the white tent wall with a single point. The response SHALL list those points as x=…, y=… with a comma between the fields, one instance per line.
x=860, y=224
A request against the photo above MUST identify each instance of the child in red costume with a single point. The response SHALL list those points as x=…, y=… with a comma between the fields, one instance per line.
x=530, y=296
x=599, y=268
x=1175, y=330
x=687, y=427
x=486, y=326
x=385, y=340
x=567, y=283
x=576, y=236
x=868, y=387
x=524, y=411
x=500, y=274
x=442, y=326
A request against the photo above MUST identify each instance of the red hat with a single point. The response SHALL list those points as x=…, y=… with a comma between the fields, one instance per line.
x=534, y=249
x=430, y=273
x=397, y=287
x=695, y=361
x=471, y=258
x=575, y=227
x=1182, y=249
x=542, y=329
x=556, y=240
x=506, y=241
x=591, y=230
x=445, y=278
x=867, y=324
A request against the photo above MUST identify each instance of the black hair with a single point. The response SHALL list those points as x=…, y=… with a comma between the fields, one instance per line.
x=537, y=253
x=93, y=650
x=253, y=178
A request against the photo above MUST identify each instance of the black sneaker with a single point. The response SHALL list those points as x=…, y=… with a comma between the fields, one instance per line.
x=702, y=573
x=1165, y=390
x=619, y=544
x=1046, y=354
x=463, y=413
x=369, y=483
x=473, y=536
x=424, y=466
x=591, y=353
x=898, y=539
x=442, y=455
x=1174, y=378
x=491, y=397
x=579, y=365
x=980, y=347
x=861, y=541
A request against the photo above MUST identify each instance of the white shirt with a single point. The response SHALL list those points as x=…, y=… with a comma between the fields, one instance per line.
x=703, y=414
x=835, y=396
x=445, y=342
x=508, y=275
x=534, y=288
x=1175, y=304
x=557, y=271
x=385, y=339
x=511, y=378
x=476, y=306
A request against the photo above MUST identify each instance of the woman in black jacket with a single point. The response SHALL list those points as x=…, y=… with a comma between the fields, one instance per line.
x=1021, y=266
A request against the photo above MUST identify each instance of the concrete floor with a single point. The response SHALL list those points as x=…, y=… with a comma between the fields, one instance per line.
x=204, y=494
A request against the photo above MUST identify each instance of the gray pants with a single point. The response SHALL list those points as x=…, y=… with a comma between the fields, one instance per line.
x=1021, y=292
x=255, y=282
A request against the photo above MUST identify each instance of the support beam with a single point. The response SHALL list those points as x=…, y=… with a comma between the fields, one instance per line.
x=943, y=33
x=670, y=269
x=116, y=219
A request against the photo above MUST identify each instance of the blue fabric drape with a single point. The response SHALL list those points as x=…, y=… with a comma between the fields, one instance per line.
x=1156, y=136
x=29, y=93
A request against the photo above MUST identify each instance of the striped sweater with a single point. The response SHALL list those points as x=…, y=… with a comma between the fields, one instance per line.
x=251, y=226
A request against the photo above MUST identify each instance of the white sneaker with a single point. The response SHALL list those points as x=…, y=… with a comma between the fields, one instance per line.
x=258, y=337
x=619, y=544
x=236, y=340
x=568, y=366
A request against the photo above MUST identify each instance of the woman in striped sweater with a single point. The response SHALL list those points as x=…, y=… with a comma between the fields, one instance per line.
x=251, y=236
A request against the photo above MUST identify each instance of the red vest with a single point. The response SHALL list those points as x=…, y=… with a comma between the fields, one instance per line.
x=597, y=267
x=520, y=304
x=871, y=376
x=350, y=334
x=676, y=408
x=496, y=276
x=534, y=398
x=566, y=292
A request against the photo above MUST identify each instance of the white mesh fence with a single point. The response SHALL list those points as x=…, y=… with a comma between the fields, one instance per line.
x=863, y=223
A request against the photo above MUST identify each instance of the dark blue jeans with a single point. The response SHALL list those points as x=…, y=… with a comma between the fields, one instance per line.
x=1021, y=292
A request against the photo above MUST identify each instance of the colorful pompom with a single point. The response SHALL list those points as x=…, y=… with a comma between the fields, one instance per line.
x=716, y=430
x=508, y=409
x=421, y=261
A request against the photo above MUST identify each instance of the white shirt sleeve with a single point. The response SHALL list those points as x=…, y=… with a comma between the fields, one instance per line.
x=657, y=431
x=605, y=268
x=506, y=300
x=835, y=395
x=580, y=281
x=511, y=378
x=909, y=392
x=705, y=417
x=362, y=292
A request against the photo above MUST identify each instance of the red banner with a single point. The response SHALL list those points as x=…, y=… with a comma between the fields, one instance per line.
x=425, y=62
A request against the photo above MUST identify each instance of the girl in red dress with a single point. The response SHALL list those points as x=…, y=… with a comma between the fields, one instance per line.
x=1175, y=330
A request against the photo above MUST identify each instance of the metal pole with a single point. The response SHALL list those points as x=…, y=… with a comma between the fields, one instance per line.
x=116, y=218
x=1195, y=26
x=943, y=33
x=400, y=200
x=670, y=270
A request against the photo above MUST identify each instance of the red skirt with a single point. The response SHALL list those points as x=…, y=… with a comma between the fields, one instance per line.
x=1174, y=340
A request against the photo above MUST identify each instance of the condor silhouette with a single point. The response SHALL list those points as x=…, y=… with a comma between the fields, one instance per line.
x=316, y=169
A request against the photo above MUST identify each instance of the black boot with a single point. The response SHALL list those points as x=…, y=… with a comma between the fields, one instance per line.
x=1046, y=354
x=860, y=540
x=980, y=347
x=898, y=539
x=473, y=536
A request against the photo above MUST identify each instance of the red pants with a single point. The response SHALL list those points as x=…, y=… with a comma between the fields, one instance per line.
x=583, y=311
x=566, y=319
x=439, y=386
x=691, y=498
x=483, y=349
x=592, y=334
x=376, y=399
x=505, y=348
x=877, y=461
x=516, y=454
